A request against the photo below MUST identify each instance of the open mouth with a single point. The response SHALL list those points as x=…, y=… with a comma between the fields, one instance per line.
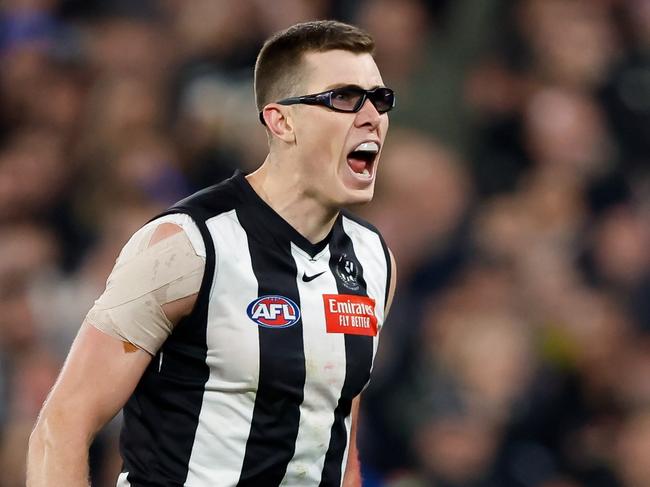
x=362, y=158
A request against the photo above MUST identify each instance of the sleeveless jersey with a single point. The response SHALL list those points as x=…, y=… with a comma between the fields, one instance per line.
x=255, y=386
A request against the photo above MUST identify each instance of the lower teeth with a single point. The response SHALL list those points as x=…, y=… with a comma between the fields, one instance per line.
x=366, y=172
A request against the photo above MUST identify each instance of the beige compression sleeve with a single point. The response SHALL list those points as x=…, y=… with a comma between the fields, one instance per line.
x=145, y=278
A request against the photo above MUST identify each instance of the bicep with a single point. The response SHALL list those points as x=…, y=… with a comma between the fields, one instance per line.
x=99, y=375
x=154, y=284
x=109, y=355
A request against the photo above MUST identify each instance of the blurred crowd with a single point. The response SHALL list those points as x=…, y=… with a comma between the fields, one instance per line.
x=514, y=191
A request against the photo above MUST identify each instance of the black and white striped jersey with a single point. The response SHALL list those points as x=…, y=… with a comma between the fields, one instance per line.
x=255, y=387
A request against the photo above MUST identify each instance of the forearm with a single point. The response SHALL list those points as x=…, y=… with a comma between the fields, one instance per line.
x=352, y=476
x=96, y=380
x=57, y=455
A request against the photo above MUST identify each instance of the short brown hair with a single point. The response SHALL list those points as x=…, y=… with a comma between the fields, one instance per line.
x=279, y=60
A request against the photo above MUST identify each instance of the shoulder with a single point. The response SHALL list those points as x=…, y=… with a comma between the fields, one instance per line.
x=348, y=216
x=358, y=228
x=212, y=200
x=192, y=212
x=366, y=232
x=167, y=225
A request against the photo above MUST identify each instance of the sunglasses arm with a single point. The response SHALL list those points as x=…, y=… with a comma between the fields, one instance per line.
x=305, y=100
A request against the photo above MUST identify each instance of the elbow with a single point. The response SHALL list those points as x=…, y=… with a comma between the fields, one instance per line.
x=57, y=449
x=35, y=455
x=54, y=431
x=38, y=439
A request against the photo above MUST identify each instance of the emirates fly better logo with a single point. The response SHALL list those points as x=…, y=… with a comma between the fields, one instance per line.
x=350, y=314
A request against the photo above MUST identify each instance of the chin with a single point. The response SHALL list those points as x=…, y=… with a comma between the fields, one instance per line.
x=357, y=196
x=353, y=189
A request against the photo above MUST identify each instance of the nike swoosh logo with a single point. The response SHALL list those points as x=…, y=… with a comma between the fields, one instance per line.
x=306, y=278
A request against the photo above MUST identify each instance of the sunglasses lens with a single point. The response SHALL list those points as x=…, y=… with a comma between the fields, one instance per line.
x=383, y=99
x=349, y=98
x=346, y=99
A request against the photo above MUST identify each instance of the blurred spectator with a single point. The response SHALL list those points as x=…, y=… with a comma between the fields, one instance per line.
x=514, y=191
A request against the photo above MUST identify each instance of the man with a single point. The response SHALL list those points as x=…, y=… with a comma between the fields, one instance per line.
x=238, y=329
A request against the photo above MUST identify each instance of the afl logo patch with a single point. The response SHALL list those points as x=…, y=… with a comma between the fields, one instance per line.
x=273, y=312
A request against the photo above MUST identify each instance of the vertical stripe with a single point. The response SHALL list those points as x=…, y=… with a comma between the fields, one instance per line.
x=325, y=371
x=161, y=417
x=372, y=257
x=276, y=416
x=233, y=358
x=358, y=360
x=350, y=221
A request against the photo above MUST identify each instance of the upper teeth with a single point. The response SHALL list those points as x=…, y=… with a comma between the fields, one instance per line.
x=368, y=147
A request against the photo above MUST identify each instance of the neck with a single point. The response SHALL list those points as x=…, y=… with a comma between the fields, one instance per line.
x=283, y=190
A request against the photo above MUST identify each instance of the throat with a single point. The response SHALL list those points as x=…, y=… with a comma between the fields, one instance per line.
x=314, y=225
x=309, y=217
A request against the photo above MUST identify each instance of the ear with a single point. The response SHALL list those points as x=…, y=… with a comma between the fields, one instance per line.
x=279, y=122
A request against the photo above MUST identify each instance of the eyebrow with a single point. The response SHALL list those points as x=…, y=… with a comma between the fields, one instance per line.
x=350, y=85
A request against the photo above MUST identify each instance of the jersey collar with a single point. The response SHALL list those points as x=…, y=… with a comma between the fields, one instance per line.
x=273, y=224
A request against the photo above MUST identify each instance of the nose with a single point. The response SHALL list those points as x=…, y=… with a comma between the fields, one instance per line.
x=368, y=115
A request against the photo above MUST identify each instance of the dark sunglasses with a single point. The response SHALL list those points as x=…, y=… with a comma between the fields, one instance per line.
x=348, y=99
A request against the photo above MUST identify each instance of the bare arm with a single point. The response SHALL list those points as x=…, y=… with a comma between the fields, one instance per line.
x=352, y=476
x=98, y=376
x=393, y=283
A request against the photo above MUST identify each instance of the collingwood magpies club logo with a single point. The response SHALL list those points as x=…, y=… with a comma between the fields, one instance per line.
x=348, y=272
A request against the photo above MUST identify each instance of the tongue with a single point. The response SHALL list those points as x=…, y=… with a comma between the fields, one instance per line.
x=357, y=165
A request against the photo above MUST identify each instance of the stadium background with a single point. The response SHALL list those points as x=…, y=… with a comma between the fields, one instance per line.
x=514, y=190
